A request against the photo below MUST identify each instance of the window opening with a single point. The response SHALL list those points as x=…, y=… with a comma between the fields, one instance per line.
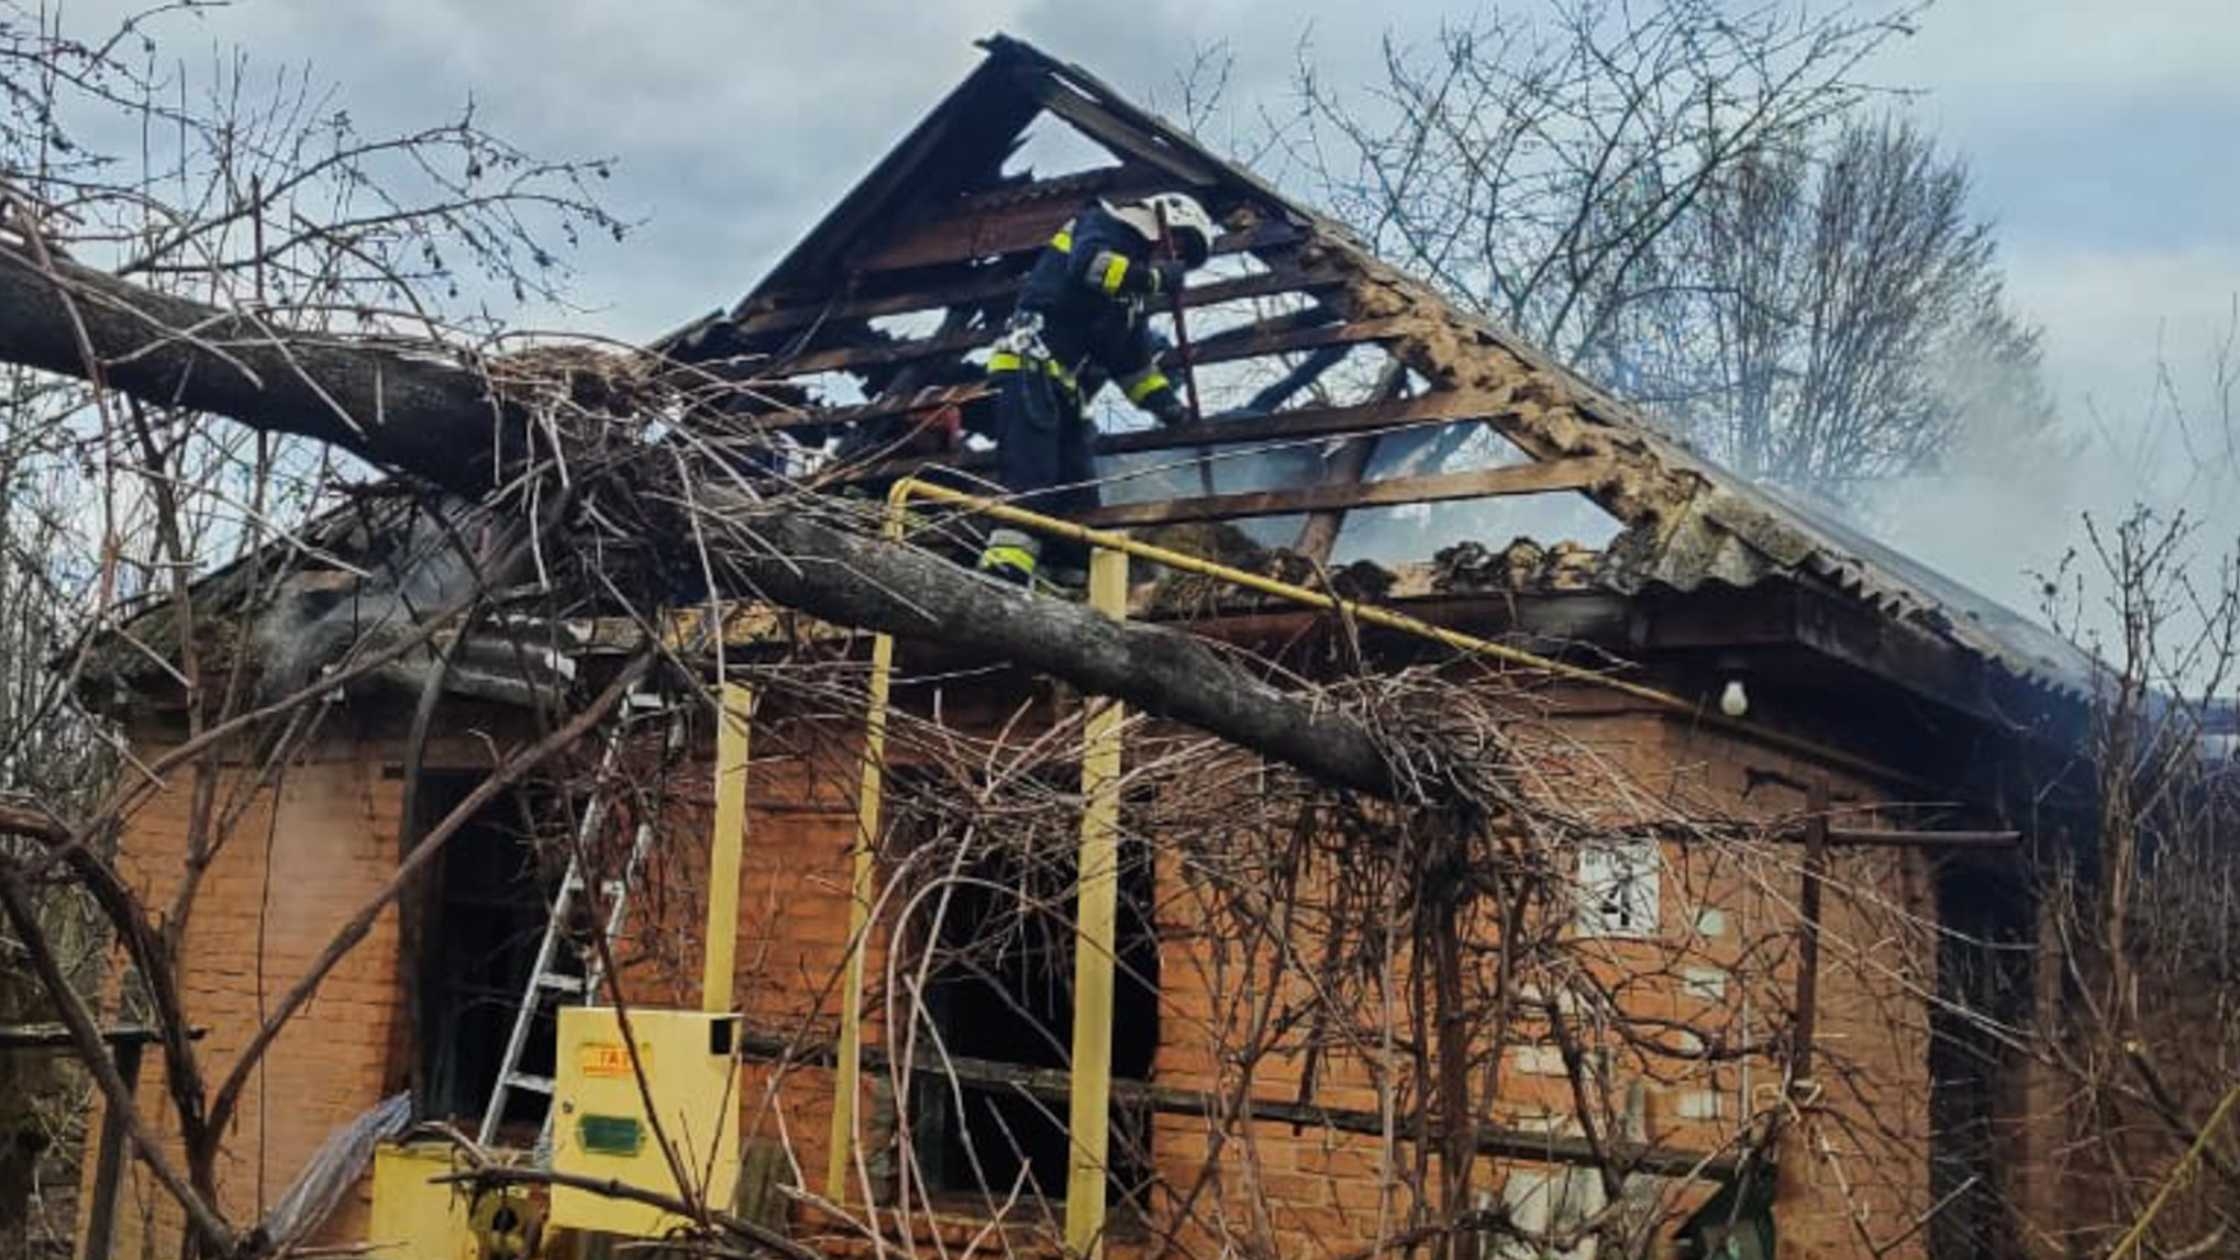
x=487, y=916
x=1001, y=990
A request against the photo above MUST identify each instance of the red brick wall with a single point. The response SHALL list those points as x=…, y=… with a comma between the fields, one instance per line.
x=1857, y=1169
x=294, y=864
x=335, y=843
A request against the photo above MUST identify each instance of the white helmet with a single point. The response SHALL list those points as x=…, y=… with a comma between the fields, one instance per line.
x=1188, y=222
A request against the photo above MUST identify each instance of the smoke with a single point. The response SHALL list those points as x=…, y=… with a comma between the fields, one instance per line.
x=2006, y=510
x=2153, y=426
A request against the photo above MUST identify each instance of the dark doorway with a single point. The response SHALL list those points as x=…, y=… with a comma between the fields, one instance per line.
x=486, y=917
x=1002, y=990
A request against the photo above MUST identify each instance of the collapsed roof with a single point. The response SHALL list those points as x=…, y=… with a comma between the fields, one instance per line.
x=868, y=325
x=940, y=227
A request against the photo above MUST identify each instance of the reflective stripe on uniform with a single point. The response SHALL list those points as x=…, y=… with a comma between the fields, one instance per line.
x=1115, y=271
x=1008, y=558
x=1063, y=241
x=1007, y=361
x=1146, y=383
x=1011, y=549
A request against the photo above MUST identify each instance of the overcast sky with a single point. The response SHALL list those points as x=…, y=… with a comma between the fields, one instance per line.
x=2106, y=151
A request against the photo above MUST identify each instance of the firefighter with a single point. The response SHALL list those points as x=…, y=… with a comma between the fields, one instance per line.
x=1081, y=321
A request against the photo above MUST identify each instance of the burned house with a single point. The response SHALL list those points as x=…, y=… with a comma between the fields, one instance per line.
x=1749, y=793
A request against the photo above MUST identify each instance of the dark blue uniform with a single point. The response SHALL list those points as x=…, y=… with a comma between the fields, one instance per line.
x=1080, y=321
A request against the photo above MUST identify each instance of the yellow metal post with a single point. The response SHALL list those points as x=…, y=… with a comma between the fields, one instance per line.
x=1096, y=925
x=722, y=940
x=848, y=1062
x=848, y=1065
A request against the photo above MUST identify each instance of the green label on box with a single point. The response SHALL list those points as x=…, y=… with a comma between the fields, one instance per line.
x=610, y=1135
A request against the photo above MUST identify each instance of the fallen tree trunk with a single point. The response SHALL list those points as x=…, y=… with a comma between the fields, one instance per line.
x=422, y=412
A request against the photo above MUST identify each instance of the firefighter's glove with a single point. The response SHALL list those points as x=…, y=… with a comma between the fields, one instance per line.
x=1167, y=276
x=1167, y=409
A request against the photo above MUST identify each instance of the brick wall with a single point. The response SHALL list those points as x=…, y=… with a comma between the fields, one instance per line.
x=294, y=864
x=1856, y=1170
x=1303, y=1190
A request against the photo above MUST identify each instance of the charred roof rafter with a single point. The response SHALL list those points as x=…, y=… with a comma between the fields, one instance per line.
x=937, y=224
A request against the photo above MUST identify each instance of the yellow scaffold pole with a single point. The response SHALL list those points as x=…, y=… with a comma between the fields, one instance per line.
x=721, y=943
x=848, y=1062
x=1096, y=927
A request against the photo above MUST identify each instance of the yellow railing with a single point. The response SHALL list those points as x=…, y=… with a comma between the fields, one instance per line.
x=1093, y=955
x=1370, y=614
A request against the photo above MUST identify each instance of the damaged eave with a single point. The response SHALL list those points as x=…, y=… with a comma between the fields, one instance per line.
x=1786, y=614
x=1689, y=524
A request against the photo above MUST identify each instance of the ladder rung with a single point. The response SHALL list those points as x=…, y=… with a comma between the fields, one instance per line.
x=562, y=982
x=534, y=1084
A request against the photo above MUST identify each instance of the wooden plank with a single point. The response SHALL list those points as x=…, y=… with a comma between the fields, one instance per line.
x=967, y=234
x=1307, y=422
x=1123, y=141
x=987, y=289
x=1072, y=188
x=1562, y=474
x=843, y=358
x=1272, y=326
x=1279, y=279
x=1096, y=935
x=1277, y=336
x=931, y=398
x=832, y=307
x=1015, y=228
x=57, y=1037
x=718, y=975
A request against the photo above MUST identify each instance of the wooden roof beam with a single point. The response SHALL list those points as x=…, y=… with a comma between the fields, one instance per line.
x=1276, y=336
x=1122, y=140
x=1303, y=424
x=1509, y=479
x=1014, y=229
x=989, y=286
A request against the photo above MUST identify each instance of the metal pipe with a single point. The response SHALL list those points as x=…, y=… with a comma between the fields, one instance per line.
x=1808, y=937
x=1859, y=836
x=911, y=487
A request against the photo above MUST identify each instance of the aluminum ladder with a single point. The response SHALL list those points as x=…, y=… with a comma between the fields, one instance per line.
x=547, y=982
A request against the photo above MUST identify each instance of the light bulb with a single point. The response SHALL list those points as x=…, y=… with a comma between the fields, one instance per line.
x=1734, y=701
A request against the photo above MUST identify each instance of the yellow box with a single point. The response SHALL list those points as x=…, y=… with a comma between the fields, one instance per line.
x=414, y=1217
x=599, y=1123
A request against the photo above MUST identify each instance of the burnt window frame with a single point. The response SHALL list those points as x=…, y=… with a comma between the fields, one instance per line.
x=1043, y=1042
